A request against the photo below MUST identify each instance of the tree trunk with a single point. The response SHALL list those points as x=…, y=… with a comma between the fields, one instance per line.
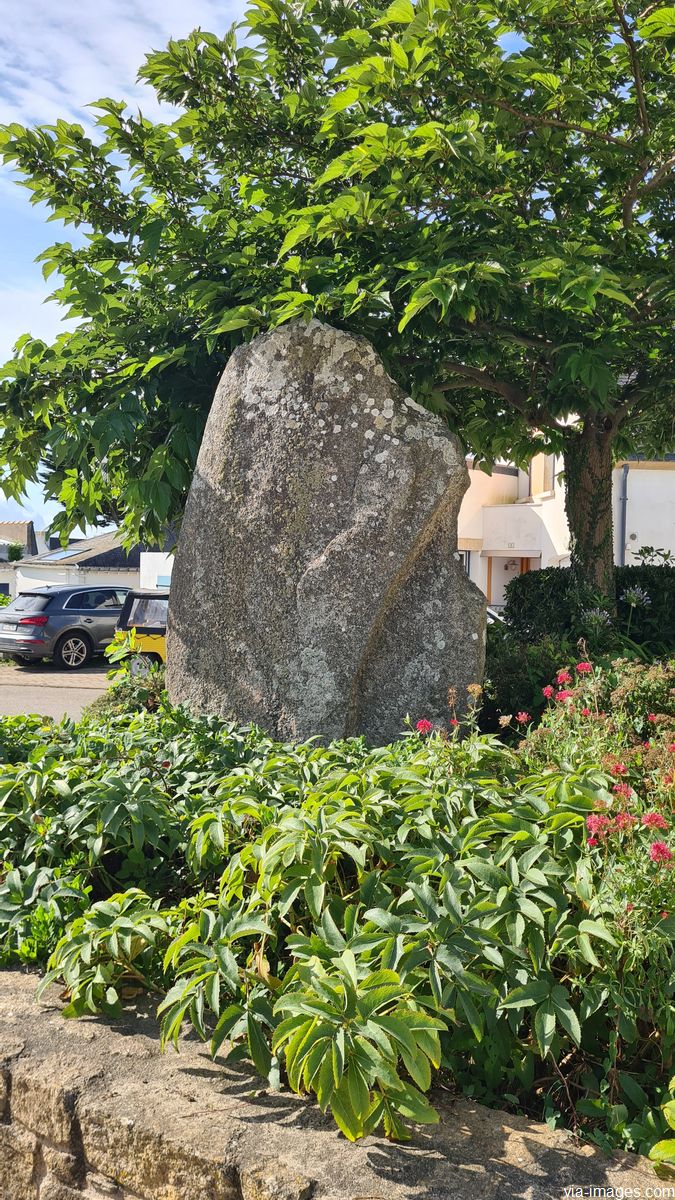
x=588, y=503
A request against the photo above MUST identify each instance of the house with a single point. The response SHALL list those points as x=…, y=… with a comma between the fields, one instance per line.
x=14, y=533
x=93, y=560
x=514, y=521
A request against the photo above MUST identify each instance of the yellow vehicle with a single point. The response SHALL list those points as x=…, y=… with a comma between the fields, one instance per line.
x=145, y=613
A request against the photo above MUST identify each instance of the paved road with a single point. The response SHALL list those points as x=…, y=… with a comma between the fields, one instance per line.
x=44, y=689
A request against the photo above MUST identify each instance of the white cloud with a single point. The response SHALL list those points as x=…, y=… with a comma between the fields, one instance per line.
x=23, y=310
x=57, y=57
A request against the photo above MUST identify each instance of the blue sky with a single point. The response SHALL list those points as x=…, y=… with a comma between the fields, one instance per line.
x=56, y=56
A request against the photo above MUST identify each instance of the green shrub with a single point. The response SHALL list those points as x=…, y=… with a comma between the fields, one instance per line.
x=354, y=921
x=129, y=694
x=5, y=600
x=553, y=604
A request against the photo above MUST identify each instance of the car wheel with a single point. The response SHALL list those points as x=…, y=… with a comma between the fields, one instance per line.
x=73, y=651
x=141, y=666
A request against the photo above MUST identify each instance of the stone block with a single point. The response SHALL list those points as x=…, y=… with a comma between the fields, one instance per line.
x=273, y=1181
x=43, y=1103
x=150, y=1165
x=64, y=1167
x=52, y=1188
x=18, y=1151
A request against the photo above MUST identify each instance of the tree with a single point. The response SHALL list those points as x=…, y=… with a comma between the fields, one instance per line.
x=485, y=191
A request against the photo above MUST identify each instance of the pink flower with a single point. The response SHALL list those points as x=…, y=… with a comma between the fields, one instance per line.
x=646, y=745
x=454, y=722
x=654, y=820
x=672, y=747
x=664, y=914
x=623, y=789
x=659, y=852
x=523, y=718
x=592, y=842
x=563, y=694
x=597, y=823
x=668, y=779
x=651, y=717
x=585, y=712
x=619, y=769
x=584, y=668
x=563, y=677
x=547, y=691
x=624, y=820
x=424, y=726
x=630, y=907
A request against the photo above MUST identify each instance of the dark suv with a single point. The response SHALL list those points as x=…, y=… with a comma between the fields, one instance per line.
x=68, y=624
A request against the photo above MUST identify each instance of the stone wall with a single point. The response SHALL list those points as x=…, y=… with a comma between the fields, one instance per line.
x=92, y=1111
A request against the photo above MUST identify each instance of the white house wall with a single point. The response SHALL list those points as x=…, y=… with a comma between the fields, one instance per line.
x=28, y=577
x=650, y=509
x=156, y=568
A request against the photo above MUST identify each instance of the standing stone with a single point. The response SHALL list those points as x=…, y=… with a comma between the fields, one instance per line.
x=316, y=587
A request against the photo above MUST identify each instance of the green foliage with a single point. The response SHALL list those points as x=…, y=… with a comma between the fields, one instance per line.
x=15, y=552
x=353, y=921
x=485, y=191
x=130, y=693
x=555, y=603
x=4, y=600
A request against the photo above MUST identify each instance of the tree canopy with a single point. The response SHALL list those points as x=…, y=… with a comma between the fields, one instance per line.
x=484, y=190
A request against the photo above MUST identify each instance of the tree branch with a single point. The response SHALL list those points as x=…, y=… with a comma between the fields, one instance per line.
x=638, y=184
x=660, y=174
x=514, y=396
x=635, y=65
x=553, y=122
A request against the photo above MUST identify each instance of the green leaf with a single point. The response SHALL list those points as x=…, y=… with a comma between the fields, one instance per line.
x=544, y=1027
x=401, y=12
x=258, y=1047
x=299, y=233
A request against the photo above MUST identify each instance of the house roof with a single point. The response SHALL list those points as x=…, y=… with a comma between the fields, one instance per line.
x=104, y=550
x=22, y=532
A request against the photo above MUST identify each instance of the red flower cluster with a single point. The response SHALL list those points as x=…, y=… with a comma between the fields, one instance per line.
x=624, y=820
x=523, y=718
x=548, y=691
x=659, y=852
x=672, y=747
x=584, y=668
x=454, y=722
x=654, y=820
x=651, y=717
x=623, y=789
x=585, y=712
x=563, y=694
x=424, y=726
x=598, y=824
x=618, y=769
x=563, y=677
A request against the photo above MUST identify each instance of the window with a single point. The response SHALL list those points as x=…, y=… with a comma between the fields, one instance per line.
x=99, y=599
x=26, y=602
x=465, y=556
x=4, y=589
x=163, y=581
x=148, y=612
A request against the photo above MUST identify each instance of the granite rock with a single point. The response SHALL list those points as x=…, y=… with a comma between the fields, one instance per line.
x=317, y=587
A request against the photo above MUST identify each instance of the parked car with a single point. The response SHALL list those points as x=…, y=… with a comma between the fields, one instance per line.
x=146, y=613
x=494, y=616
x=68, y=624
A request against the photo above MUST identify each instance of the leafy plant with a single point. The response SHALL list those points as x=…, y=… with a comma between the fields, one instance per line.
x=359, y=923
